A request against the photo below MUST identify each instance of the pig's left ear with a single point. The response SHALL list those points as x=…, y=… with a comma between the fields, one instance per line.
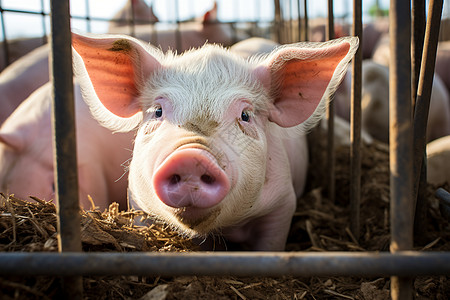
x=302, y=76
x=111, y=70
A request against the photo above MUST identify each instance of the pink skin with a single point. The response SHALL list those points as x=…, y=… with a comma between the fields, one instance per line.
x=210, y=112
x=26, y=160
x=21, y=78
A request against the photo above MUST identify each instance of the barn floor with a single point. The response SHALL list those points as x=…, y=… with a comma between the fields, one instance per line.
x=318, y=225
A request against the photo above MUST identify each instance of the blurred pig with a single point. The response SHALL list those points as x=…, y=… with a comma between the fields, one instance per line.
x=375, y=103
x=17, y=48
x=139, y=9
x=191, y=34
x=21, y=78
x=443, y=63
x=253, y=46
x=438, y=161
x=26, y=159
x=220, y=147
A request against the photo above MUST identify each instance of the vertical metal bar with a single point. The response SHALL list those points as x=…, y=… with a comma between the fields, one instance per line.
x=177, y=31
x=331, y=156
x=418, y=27
x=44, y=28
x=400, y=139
x=64, y=143
x=278, y=21
x=423, y=105
x=299, y=20
x=306, y=25
x=132, y=19
x=88, y=17
x=5, y=40
x=355, y=119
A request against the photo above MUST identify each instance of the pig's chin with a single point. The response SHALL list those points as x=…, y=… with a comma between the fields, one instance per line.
x=198, y=221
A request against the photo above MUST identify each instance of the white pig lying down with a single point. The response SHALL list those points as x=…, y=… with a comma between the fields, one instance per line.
x=26, y=159
x=220, y=146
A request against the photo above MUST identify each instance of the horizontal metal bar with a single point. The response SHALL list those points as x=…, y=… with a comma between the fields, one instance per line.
x=402, y=263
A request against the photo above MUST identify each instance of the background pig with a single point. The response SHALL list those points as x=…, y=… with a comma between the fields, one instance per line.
x=192, y=34
x=21, y=78
x=438, y=158
x=375, y=103
x=26, y=160
x=220, y=146
x=139, y=9
x=443, y=62
x=253, y=46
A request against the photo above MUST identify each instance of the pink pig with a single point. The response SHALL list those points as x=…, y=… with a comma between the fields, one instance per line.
x=26, y=159
x=21, y=78
x=220, y=147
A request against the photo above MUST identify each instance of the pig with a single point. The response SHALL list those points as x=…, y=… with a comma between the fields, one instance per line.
x=443, y=62
x=375, y=103
x=26, y=154
x=253, y=46
x=143, y=14
x=21, y=78
x=192, y=34
x=220, y=146
x=438, y=158
x=17, y=48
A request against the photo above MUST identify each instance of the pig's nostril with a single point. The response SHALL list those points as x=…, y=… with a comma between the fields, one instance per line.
x=207, y=179
x=175, y=179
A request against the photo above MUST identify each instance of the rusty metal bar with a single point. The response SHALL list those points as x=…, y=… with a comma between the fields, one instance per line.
x=5, y=40
x=400, y=139
x=331, y=156
x=306, y=25
x=368, y=264
x=422, y=107
x=64, y=143
x=355, y=120
x=277, y=19
x=44, y=28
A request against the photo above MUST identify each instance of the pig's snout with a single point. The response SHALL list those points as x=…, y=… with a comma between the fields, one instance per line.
x=191, y=178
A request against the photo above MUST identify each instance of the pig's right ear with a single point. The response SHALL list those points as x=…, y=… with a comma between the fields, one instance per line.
x=111, y=70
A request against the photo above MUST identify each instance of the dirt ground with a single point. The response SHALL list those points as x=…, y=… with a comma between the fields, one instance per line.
x=318, y=225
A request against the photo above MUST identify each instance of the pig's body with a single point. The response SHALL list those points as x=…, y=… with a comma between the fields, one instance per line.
x=26, y=160
x=21, y=78
x=438, y=161
x=18, y=48
x=220, y=147
x=375, y=103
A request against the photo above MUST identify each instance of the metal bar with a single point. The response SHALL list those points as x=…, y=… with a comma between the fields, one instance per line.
x=44, y=28
x=226, y=263
x=5, y=40
x=400, y=139
x=306, y=26
x=277, y=19
x=88, y=17
x=299, y=20
x=132, y=19
x=418, y=25
x=355, y=120
x=331, y=156
x=64, y=144
x=178, y=41
x=422, y=107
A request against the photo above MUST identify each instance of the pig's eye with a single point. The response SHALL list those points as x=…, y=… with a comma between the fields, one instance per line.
x=158, y=112
x=245, y=116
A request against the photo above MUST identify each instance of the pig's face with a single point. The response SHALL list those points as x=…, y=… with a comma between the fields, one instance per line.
x=222, y=124
x=207, y=121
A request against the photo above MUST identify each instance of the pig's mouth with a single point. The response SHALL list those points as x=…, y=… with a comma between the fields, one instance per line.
x=197, y=219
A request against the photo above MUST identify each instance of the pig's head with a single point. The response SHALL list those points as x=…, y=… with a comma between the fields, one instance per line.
x=203, y=118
